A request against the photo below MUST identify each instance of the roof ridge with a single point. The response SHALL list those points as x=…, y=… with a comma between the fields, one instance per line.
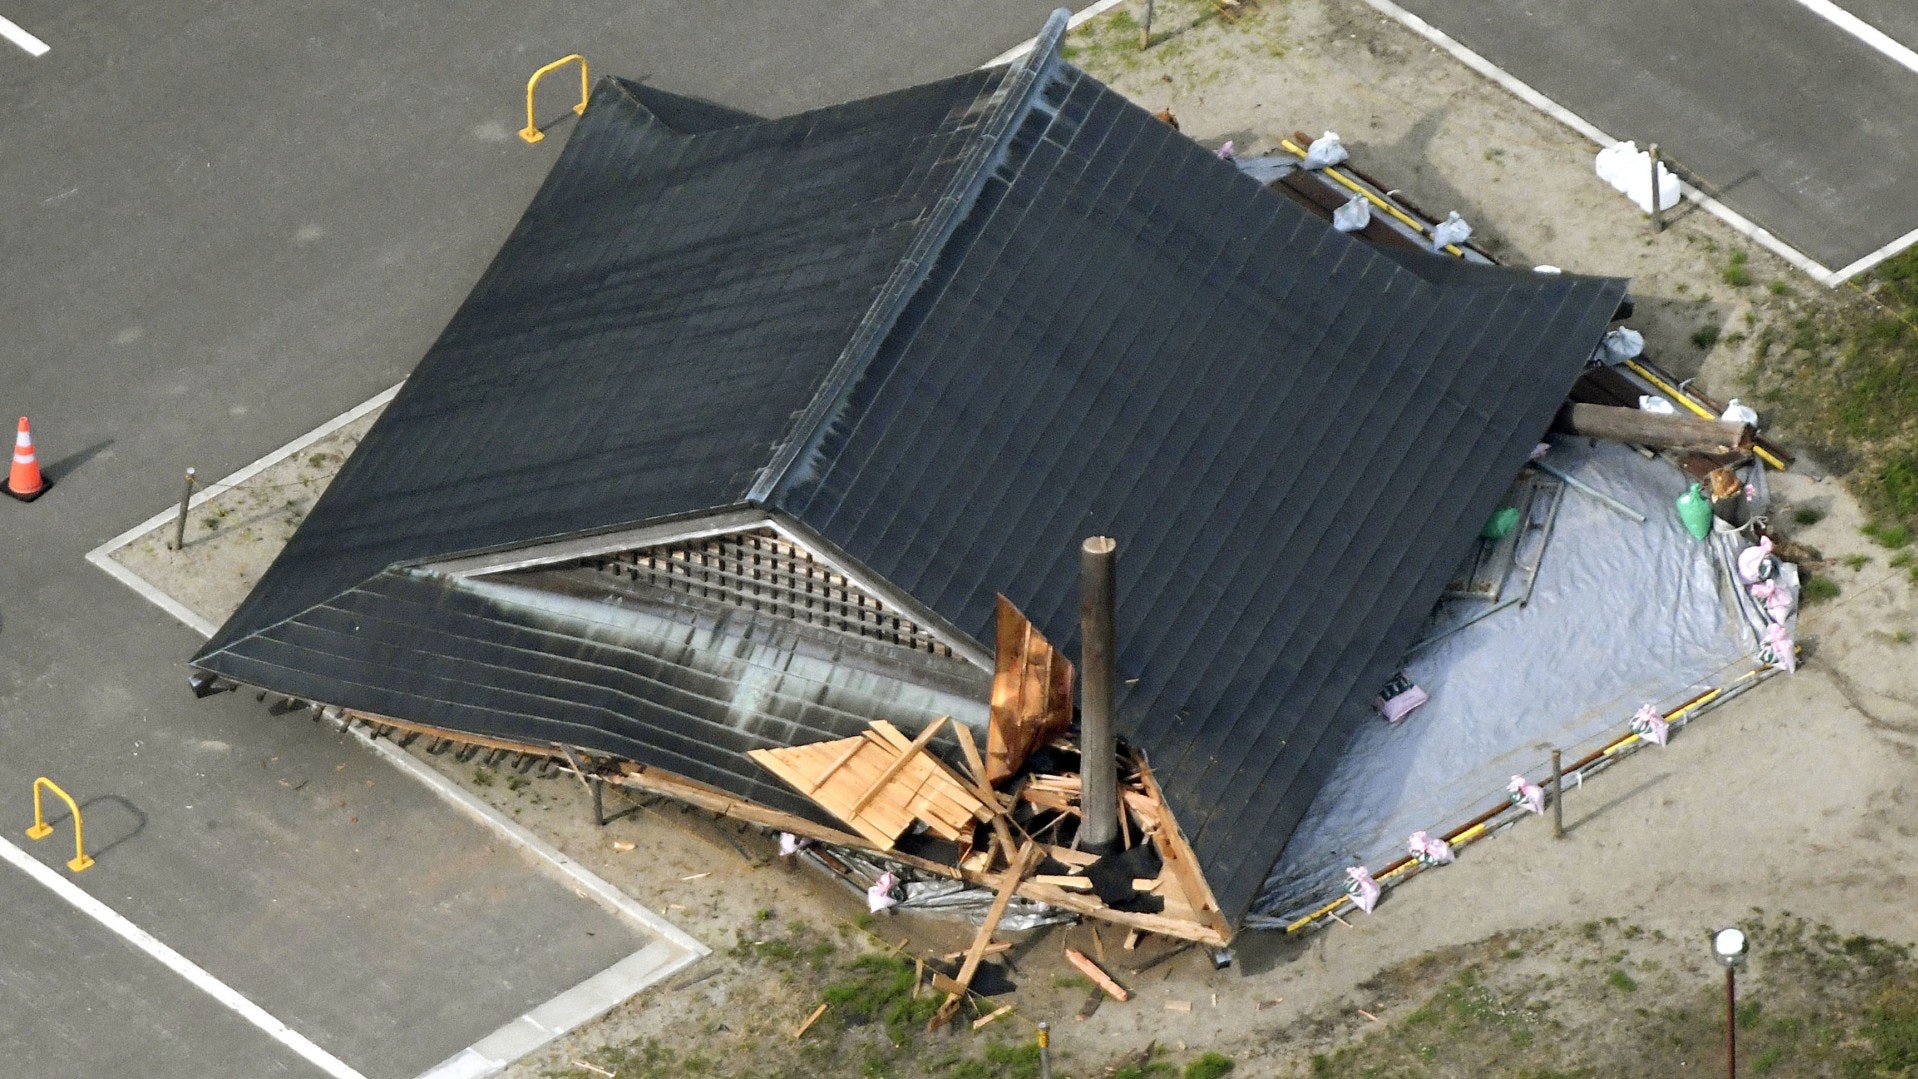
x=1016, y=97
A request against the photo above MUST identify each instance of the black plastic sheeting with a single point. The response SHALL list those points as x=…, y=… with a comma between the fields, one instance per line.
x=952, y=331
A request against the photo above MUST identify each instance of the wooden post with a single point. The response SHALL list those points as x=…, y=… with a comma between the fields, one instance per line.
x=1558, y=798
x=1098, y=747
x=179, y=525
x=1635, y=426
x=1658, y=215
x=1145, y=28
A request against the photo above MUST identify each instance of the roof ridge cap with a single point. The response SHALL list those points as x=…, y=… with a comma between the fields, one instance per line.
x=1015, y=99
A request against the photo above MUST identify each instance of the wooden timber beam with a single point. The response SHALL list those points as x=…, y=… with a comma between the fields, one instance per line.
x=1678, y=431
x=1016, y=872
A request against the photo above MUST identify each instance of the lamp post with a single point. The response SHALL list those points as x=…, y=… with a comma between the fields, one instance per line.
x=1729, y=947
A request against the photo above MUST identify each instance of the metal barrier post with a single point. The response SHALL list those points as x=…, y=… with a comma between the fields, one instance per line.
x=533, y=133
x=41, y=829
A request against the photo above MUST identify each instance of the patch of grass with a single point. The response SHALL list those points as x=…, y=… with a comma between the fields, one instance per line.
x=1208, y=1066
x=1856, y=562
x=1621, y=981
x=1896, y=482
x=1705, y=337
x=1807, y=515
x=1818, y=588
x=878, y=989
x=1151, y=1067
x=1001, y=1061
x=1736, y=272
x=514, y=783
x=1071, y=981
x=1893, y=536
x=482, y=777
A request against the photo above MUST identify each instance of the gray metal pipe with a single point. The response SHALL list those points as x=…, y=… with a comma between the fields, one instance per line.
x=1098, y=743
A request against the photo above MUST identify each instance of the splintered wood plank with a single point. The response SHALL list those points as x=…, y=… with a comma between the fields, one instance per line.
x=1098, y=975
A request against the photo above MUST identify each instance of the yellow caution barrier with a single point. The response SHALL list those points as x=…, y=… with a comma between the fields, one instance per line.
x=533, y=133
x=41, y=829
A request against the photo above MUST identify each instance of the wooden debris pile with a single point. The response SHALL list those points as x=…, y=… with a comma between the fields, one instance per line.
x=1017, y=805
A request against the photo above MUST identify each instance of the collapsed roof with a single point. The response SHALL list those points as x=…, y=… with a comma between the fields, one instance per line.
x=938, y=337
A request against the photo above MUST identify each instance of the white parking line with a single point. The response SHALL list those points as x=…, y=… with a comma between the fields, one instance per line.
x=1822, y=274
x=672, y=948
x=12, y=32
x=1863, y=31
x=177, y=963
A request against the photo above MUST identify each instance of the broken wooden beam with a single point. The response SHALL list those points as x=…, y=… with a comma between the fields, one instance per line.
x=1098, y=975
x=1676, y=431
x=1016, y=872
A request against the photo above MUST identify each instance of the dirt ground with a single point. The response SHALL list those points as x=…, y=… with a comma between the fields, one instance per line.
x=1798, y=796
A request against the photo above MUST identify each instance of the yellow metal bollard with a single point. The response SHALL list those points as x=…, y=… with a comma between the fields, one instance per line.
x=41, y=829
x=532, y=133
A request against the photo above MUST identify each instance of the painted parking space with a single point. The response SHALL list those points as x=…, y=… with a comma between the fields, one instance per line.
x=1796, y=123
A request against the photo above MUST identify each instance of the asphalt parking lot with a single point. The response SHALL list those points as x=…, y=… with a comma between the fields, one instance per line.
x=225, y=224
x=1790, y=119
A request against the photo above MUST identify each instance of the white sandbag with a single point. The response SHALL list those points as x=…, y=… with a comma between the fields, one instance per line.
x=1325, y=151
x=1656, y=405
x=1452, y=230
x=1621, y=344
x=1739, y=412
x=1629, y=170
x=1354, y=215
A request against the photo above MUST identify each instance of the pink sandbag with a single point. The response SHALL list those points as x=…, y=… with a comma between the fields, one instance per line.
x=790, y=844
x=879, y=896
x=1649, y=725
x=1756, y=564
x=1526, y=793
x=1430, y=850
x=1361, y=889
x=1399, y=698
x=1779, y=651
x=1776, y=597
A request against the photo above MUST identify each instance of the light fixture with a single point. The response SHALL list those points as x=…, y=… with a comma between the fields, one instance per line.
x=1729, y=947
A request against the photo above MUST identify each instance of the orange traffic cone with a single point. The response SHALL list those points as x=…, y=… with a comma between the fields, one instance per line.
x=24, y=481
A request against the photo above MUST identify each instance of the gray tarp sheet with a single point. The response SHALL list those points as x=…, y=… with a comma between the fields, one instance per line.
x=1622, y=614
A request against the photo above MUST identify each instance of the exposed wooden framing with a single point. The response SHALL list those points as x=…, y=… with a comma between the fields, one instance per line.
x=834, y=766
x=1179, y=859
x=881, y=782
x=898, y=765
x=1021, y=865
x=1678, y=431
x=1001, y=830
x=1031, y=693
